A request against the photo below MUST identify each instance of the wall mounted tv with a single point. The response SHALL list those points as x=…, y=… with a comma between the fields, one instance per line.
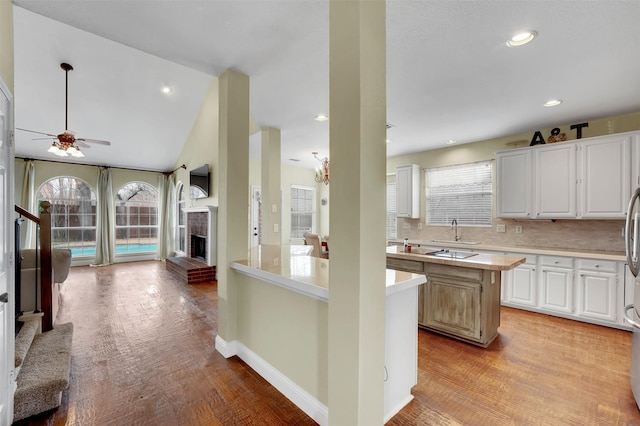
x=199, y=182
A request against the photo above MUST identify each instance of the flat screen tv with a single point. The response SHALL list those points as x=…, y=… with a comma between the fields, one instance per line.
x=199, y=182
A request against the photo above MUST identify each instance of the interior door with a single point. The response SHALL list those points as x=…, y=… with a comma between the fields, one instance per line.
x=256, y=214
x=6, y=256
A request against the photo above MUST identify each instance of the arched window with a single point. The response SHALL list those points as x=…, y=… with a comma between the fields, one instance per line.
x=182, y=220
x=73, y=214
x=136, y=218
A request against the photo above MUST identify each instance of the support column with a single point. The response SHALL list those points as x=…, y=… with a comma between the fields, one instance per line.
x=233, y=210
x=357, y=211
x=270, y=185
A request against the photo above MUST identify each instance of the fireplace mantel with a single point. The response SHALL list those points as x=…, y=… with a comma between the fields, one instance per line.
x=212, y=235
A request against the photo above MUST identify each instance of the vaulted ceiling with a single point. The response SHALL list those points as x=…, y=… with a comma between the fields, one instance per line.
x=450, y=74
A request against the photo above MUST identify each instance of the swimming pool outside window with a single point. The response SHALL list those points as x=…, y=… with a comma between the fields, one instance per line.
x=73, y=214
x=136, y=218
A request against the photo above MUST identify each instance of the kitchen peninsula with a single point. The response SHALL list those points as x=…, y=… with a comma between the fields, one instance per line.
x=291, y=350
x=461, y=298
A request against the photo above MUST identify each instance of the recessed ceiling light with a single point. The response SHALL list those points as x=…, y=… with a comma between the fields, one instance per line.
x=553, y=102
x=450, y=142
x=522, y=38
x=389, y=141
x=166, y=89
x=321, y=117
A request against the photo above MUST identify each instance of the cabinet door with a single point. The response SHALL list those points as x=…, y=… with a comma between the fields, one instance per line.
x=555, y=181
x=521, y=285
x=514, y=190
x=407, y=191
x=597, y=295
x=454, y=307
x=556, y=289
x=605, y=177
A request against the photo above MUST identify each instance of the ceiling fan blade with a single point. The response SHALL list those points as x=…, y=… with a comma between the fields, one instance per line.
x=82, y=144
x=94, y=141
x=33, y=131
x=41, y=139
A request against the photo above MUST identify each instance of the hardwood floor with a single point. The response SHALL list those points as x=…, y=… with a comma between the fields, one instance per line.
x=143, y=354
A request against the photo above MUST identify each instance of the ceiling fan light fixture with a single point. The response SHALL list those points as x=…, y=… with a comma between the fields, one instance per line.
x=76, y=152
x=62, y=153
x=53, y=148
x=321, y=117
x=166, y=89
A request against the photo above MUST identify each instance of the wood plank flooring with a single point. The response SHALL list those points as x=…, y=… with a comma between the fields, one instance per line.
x=143, y=354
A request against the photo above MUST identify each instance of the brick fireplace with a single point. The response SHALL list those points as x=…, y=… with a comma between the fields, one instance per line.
x=199, y=264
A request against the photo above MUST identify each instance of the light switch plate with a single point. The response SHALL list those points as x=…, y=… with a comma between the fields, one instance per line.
x=276, y=228
x=518, y=229
x=500, y=228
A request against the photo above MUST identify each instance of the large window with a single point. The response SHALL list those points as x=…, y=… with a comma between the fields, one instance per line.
x=462, y=192
x=73, y=214
x=303, y=212
x=136, y=218
x=392, y=220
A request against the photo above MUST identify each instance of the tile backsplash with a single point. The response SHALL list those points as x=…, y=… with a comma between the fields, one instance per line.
x=596, y=235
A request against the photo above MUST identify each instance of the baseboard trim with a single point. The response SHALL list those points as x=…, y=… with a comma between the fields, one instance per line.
x=226, y=349
x=301, y=398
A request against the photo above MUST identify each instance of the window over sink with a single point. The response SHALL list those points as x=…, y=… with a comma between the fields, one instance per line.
x=462, y=192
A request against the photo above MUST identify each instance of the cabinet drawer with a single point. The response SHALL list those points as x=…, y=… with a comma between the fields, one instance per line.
x=556, y=261
x=405, y=265
x=597, y=265
x=470, y=274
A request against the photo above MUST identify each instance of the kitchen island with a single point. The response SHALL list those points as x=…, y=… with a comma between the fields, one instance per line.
x=291, y=351
x=461, y=298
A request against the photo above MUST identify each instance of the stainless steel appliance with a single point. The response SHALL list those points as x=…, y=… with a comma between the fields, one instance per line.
x=632, y=312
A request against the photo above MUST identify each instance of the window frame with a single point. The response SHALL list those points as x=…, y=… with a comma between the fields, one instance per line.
x=313, y=212
x=131, y=241
x=477, y=187
x=88, y=250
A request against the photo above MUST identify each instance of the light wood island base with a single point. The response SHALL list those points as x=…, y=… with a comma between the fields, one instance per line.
x=461, y=298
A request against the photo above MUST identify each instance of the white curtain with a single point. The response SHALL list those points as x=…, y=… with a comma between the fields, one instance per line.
x=166, y=208
x=29, y=203
x=105, y=220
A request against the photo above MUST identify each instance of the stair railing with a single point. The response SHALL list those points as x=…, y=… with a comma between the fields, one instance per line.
x=46, y=272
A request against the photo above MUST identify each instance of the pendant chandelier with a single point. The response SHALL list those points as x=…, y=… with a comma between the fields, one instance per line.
x=322, y=171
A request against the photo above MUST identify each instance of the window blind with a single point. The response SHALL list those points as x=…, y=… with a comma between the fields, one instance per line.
x=462, y=192
x=302, y=211
x=392, y=221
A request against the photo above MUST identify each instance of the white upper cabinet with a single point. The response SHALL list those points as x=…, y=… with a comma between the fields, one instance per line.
x=408, y=191
x=514, y=193
x=555, y=181
x=605, y=177
x=584, y=179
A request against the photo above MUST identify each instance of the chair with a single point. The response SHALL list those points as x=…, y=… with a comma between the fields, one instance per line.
x=314, y=240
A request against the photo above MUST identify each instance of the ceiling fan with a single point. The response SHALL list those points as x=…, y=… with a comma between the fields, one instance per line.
x=66, y=143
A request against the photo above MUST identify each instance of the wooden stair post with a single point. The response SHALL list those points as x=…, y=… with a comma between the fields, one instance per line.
x=46, y=274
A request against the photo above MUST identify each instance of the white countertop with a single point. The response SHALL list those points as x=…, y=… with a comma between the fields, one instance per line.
x=285, y=267
x=548, y=251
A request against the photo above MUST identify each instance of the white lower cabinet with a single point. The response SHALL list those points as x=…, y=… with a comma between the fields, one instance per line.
x=587, y=290
x=519, y=284
x=597, y=290
x=556, y=283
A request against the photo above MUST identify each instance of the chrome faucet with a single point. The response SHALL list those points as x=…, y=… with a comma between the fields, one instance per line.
x=454, y=226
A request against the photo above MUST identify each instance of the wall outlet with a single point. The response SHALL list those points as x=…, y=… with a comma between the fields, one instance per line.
x=518, y=229
x=500, y=228
x=276, y=261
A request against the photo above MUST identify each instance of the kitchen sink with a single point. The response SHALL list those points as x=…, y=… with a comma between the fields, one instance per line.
x=468, y=243
x=450, y=254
